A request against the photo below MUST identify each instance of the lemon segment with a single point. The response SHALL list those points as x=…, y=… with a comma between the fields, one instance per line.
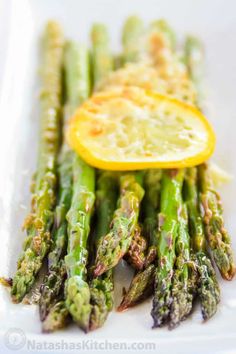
x=130, y=128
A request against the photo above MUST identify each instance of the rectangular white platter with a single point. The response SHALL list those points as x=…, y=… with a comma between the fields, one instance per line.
x=22, y=21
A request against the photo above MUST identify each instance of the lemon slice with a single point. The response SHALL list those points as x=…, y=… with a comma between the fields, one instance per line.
x=130, y=128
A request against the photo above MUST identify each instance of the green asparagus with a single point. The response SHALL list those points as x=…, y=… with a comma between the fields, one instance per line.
x=207, y=284
x=181, y=291
x=114, y=245
x=181, y=211
x=151, y=204
x=172, y=298
x=193, y=57
x=168, y=225
x=133, y=31
x=78, y=217
x=132, y=37
x=217, y=236
x=142, y=283
x=77, y=294
x=102, y=61
x=39, y=222
x=53, y=285
x=102, y=287
x=54, y=280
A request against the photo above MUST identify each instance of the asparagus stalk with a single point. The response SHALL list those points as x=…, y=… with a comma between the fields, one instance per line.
x=171, y=205
x=77, y=294
x=39, y=222
x=53, y=284
x=131, y=38
x=175, y=302
x=212, y=213
x=137, y=244
x=217, y=236
x=102, y=287
x=193, y=55
x=133, y=32
x=152, y=177
x=207, y=285
x=151, y=204
x=114, y=245
x=102, y=60
x=181, y=291
x=52, y=288
x=78, y=217
x=142, y=284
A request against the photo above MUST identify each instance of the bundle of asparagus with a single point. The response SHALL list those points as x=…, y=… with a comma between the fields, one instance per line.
x=165, y=224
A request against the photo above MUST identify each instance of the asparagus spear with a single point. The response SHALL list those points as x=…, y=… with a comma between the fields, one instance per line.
x=135, y=254
x=151, y=203
x=142, y=284
x=181, y=291
x=152, y=180
x=193, y=55
x=133, y=32
x=77, y=66
x=176, y=301
x=77, y=292
x=218, y=237
x=102, y=61
x=101, y=288
x=207, y=285
x=131, y=38
x=113, y=246
x=78, y=217
x=168, y=225
x=53, y=287
x=39, y=222
x=53, y=283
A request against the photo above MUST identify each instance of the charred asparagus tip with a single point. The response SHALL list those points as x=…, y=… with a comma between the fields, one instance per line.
x=99, y=269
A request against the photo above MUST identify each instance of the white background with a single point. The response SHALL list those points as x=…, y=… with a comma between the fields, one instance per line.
x=21, y=22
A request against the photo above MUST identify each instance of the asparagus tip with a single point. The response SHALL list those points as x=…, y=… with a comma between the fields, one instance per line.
x=99, y=269
x=78, y=301
x=57, y=318
x=230, y=274
x=123, y=306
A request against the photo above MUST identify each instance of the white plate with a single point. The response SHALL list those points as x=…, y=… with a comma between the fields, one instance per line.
x=213, y=21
